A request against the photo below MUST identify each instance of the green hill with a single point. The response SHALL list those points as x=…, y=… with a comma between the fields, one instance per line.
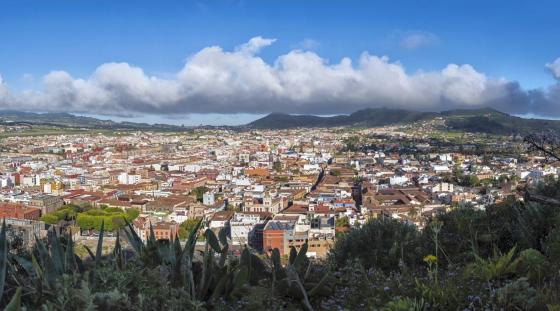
x=483, y=120
x=367, y=117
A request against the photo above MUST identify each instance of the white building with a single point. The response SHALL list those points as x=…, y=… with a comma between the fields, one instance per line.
x=398, y=180
x=208, y=198
x=242, y=226
x=442, y=187
x=127, y=179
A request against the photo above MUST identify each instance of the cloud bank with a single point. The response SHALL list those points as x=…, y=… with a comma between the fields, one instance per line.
x=217, y=81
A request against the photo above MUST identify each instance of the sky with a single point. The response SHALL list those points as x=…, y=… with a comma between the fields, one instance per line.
x=229, y=62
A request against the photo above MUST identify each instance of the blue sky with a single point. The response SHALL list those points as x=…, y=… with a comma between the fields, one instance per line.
x=512, y=40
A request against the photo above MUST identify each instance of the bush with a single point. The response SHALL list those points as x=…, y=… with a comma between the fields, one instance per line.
x=532, y=265
x=66, y=212
x=186, y=227
x=113, y=218
x=517, y=295
x=552, y=245
x=460, y=228
x=380, y=243
x=502, y=226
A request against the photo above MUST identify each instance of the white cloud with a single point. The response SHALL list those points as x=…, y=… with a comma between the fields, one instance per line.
x=306, y=44
x=254, y=45
x=554, y=68
x=412, y=40
x=239, y=81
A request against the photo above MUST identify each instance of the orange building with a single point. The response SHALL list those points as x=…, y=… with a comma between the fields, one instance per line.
x=11, y=210
x=261, y=172
x=164, y=230
x=275, y=232
x=273, y=237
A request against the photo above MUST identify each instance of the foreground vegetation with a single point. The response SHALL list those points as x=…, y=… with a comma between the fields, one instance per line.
x=506, y=257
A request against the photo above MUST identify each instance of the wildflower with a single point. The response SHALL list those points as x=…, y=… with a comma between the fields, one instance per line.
x=429, y=259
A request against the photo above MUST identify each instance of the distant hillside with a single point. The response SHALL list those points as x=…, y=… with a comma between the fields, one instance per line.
x=367, y=117
x=66, y=120
x=484, y=120
x=491, y=121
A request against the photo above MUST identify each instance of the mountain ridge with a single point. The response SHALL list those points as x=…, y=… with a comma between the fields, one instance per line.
x=480, y=120
x=368, y=117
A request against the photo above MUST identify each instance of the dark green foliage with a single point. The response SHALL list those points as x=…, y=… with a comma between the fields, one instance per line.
x=502, y=226
x=461, y=227
x=380, y=243
x=505, y=257
x=295, y=279
x=552, y=245
x=3, y=257
x=532, y=264
x=518, y=295
x=199, y=192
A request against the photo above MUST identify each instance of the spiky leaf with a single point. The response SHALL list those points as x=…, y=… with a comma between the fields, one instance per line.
x=3, y=257
x=15, y=302
x=222, y=235
x=212, y=241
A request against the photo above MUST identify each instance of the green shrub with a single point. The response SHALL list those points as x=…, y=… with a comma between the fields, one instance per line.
x=517, y=295
x=380, y=243
x=552, y=245
x=405, y=304
x=113, y=218
x=497, y=267
x=532, y=265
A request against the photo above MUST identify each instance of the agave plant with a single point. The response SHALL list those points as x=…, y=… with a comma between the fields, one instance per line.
x=294, y=279
x=15, y=302
x=210, y=275
x=55, y=277
x=494, y=268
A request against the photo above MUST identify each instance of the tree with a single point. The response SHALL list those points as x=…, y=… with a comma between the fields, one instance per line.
x=199, y=192
x=546, y=143
x=469, y=180
x=50, y=219
x=342, y=222
x=186, y=227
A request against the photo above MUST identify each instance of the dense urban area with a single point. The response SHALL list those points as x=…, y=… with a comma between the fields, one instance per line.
x=372, y=218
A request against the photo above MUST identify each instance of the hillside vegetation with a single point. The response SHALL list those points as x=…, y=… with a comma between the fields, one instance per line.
x=486, y=120
x=506, y=257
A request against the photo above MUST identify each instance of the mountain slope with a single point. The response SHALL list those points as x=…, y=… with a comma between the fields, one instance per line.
x=491, y=121
x=367, y=117
x=67, y=120
x=484, y=120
